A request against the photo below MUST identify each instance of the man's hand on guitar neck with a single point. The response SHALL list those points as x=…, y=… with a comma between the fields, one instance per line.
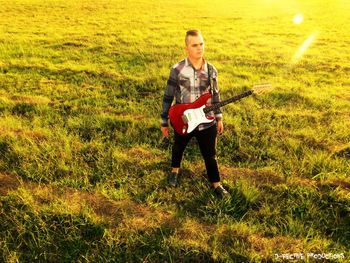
x=165, y=131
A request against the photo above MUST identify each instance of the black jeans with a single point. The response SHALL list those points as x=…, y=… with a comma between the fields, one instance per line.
x=207, y=144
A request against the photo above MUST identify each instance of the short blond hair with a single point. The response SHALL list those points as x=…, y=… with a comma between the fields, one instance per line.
x=193, y=33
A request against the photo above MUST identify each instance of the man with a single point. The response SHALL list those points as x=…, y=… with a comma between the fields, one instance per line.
x=188, y=80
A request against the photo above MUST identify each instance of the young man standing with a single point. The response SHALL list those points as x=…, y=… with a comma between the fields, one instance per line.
x=188, y=80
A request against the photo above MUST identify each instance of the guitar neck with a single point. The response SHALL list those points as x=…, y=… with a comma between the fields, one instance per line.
x=225, y=102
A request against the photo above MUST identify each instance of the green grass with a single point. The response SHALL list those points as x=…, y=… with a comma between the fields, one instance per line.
x=83, y=164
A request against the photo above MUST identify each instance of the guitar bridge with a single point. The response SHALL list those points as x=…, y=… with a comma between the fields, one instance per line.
x=184, y=119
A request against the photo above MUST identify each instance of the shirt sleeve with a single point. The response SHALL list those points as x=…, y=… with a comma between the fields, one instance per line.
x=216, y=94
x=168, y=97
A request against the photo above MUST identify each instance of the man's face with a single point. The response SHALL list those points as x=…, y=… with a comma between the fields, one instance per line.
x=195, y=47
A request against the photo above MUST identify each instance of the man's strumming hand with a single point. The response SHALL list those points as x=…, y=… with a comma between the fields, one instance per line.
x=165, y=131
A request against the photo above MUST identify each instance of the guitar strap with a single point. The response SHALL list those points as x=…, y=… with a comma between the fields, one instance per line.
x=211, y=90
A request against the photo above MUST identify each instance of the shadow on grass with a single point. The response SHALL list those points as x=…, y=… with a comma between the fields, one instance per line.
x=45, y=237
x=152, y=245
x=206, y=206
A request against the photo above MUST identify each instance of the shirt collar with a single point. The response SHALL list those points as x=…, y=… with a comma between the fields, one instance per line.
x=188, y=63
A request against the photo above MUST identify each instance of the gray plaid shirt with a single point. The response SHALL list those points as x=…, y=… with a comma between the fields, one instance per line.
x=187, y=84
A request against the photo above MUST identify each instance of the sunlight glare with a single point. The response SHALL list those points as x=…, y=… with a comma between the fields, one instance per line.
x=298, y=19
x=304, y=47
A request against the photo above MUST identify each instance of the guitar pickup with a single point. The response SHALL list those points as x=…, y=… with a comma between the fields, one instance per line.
x=184, y=119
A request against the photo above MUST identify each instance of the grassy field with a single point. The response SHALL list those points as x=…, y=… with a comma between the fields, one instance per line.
x=83, y=163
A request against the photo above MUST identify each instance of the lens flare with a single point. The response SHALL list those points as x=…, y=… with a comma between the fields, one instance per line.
x=298, y=19
x=300, y=52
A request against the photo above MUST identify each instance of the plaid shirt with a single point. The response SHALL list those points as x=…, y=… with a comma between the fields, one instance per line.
x=187, y=84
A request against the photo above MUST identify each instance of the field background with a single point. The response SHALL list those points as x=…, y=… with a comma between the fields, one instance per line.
x=82, y=160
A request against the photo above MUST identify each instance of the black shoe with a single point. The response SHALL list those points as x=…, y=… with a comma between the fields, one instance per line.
x=172, y=179
x=221, y=192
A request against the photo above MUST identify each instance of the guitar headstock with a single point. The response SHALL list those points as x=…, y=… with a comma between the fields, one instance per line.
x=261, y=88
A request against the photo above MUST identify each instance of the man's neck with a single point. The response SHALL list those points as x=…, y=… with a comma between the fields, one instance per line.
x=197, y=63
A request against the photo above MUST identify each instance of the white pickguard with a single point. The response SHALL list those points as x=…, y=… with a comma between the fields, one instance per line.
x=195, y=117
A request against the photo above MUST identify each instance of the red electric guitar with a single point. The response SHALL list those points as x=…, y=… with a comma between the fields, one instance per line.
x=186, y=117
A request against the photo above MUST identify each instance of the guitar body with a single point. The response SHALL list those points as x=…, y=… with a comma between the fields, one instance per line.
x=186, y=117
